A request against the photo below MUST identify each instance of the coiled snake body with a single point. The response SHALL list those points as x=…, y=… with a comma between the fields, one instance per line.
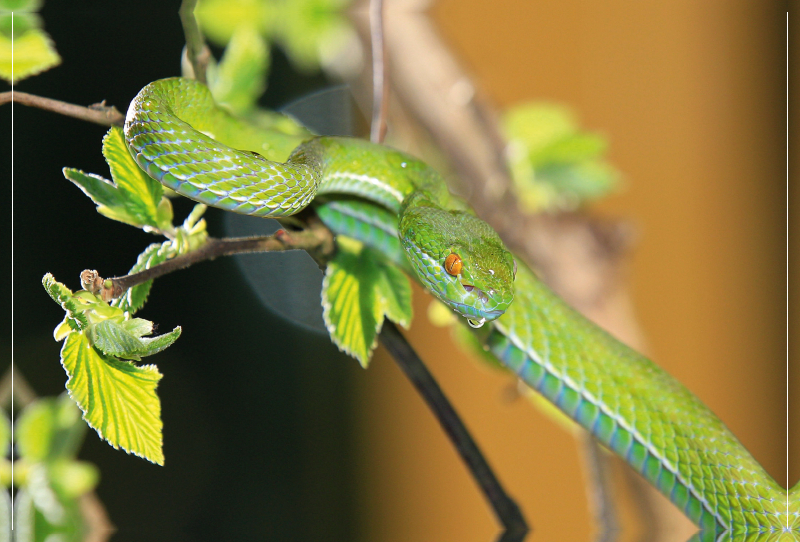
x=179, y=137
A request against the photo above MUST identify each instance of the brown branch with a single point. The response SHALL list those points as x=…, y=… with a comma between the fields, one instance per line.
x=98, y=113
x=316, y=239
x=197, y=51
x=380, y=87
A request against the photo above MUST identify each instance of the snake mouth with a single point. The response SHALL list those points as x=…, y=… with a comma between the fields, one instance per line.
x=470, y=289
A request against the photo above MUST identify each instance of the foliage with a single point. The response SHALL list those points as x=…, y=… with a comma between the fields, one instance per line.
x=133, y=197
x=117, y=398
x=48, y=434
x=311, y=32
x=102, y=340
x=554, y=165
x=358, y=290
x=33, y=50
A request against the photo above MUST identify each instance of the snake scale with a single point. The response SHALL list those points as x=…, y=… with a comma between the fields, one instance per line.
x=400, y=206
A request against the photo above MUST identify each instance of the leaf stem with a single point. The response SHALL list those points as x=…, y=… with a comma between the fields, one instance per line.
x=98, y=113
x=504, y=506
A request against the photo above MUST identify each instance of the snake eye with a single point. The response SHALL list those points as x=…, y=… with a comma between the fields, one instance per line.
x=515, y=269
x=452, y=264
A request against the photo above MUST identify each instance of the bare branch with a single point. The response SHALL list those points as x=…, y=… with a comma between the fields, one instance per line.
x=380, y=87
x=98, y=113
x=317, y=240
x=196, y=49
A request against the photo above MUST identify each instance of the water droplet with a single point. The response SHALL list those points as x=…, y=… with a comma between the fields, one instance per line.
x=476, y=323
x=403, y=164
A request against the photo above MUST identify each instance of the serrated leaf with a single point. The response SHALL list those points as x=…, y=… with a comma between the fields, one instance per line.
x=116, y=204
x=112, y=338
x=33, y=53
x=142, y=195
x=352, y=311
x=138, y=327
x=154, y=345
x=100, y=190
x=395, y=290
x=118, y=398
x=240, y=77
x=63, y=296
x=358, y=289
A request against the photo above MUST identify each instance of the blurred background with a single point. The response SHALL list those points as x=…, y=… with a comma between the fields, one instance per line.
x=270, y=433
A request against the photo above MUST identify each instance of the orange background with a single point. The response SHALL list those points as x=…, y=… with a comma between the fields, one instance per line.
x=691, y=96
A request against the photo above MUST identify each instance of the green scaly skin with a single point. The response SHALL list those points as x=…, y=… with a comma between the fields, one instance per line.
x=628, y=403
x=177, y=135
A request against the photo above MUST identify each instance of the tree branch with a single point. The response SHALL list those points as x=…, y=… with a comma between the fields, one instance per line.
x=316, y=239
x=197, y=51
x=504, y=507
x=98, y=113
x=380, y=88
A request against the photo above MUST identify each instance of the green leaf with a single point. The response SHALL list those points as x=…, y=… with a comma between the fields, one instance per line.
x=240, y=77
x=5, y=516
x=554, y=165
x=17, y=25
x=571, y=150
x=76, y=318
x=118, y=398
x=49, y=429
x=20, y=5
x=142, y=194
x=71, y=479
x=5, y=434
x=114, y=339
x=34, y=431
x=33, y=53
x=394, y=289
x=358, y=289
x=219, y=19
x=100, y=190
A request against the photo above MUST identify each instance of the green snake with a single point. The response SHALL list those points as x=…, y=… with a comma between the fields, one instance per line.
x=401, y=207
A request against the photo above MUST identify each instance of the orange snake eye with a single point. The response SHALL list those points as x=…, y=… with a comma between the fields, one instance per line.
x=452, y=264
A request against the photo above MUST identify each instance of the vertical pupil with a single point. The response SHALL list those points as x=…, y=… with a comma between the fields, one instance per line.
x=452, y=264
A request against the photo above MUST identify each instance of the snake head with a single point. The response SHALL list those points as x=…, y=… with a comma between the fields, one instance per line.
x=461, y=260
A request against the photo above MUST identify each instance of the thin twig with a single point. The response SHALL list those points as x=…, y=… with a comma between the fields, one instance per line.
x=504, y=506
x=98, y=113
x=601, y=497
x=317, y=240
x=380, y=88
x=196, y=49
